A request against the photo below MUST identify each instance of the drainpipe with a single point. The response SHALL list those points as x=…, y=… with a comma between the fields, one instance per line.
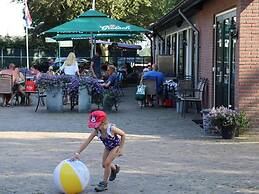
x=196, y=42
x=151, y=45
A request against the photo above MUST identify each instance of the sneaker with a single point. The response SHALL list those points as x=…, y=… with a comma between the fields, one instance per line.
x=114, y=173
x=102, y=186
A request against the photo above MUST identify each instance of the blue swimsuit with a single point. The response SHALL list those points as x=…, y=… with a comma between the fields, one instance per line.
x=110, y=141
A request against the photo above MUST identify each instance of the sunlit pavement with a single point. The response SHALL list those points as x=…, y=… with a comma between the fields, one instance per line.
x=164, y=153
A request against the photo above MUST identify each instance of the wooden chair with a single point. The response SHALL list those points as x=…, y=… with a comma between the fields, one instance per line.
x=196, y=98
x=151, y=90
x=6, y=84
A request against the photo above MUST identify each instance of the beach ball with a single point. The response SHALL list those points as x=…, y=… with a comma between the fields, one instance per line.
x=71, y=177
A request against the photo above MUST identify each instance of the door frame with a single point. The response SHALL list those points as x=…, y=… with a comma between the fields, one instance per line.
x=215, y=50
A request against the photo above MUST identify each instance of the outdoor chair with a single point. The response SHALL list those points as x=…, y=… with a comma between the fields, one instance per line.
x=184, y=87
x=196, y=97
x=41, y=95
x=151, y=90
x=73, y=100
x=118, y=83
x=6, y=86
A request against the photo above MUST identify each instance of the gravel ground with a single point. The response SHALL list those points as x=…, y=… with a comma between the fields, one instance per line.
x=164, y=153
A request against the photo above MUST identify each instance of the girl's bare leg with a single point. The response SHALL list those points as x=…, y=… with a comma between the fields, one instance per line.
x=107, y=163
x=105, y=155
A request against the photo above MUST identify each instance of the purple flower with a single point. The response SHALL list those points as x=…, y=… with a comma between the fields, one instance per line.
x=223, y=117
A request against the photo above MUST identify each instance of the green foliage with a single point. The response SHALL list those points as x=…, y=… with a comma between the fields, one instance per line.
x=53, y=12
x=138, y=12
x=242, y=122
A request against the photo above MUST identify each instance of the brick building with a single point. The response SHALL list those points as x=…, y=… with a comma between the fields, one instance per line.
x=216, y=39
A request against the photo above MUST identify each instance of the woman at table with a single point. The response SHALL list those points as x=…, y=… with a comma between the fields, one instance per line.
x=19, y=84
x=70, y=66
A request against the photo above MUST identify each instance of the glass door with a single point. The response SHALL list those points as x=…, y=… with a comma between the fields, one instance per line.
x=225, y=59
x=182, y=36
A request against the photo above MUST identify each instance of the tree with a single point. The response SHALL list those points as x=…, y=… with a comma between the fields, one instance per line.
x=138, y=12
x=53, y=12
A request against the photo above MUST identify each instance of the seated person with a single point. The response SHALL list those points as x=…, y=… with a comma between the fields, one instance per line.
x=111, y=77
x=35, y=71
x=19, y=84
x=50, y=71
x=158, y=76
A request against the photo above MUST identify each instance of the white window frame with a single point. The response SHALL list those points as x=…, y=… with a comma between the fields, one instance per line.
x=188, y=59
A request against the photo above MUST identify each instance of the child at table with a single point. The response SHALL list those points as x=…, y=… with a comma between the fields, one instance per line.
x=109, y=135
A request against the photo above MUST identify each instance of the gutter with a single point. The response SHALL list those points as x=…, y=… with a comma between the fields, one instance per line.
x=197, y=42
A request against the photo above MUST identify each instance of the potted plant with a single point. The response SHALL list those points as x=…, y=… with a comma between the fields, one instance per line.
x=53, y=84
x=242, y=123
x=110, y=98
x=86, y=85
x=225, y=121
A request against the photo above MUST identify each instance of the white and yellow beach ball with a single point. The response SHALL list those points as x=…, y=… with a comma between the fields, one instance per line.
x=71, y=177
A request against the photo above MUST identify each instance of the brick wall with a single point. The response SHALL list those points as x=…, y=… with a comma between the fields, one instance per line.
x=247, y=87
x=205, y=21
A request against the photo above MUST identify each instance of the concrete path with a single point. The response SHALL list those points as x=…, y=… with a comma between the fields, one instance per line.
x=164, y=153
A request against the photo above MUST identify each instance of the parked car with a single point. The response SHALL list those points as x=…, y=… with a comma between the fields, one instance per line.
x=59, y=61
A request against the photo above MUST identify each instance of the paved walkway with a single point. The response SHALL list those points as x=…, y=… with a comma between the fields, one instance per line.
x=164, y=153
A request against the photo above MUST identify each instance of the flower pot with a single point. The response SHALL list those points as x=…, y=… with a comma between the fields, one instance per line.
x=228, y=132
x=108, y=102
x=54, y=99
x=84, y=100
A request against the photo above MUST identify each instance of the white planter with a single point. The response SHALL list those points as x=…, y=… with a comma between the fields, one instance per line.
x=84, y=100
x=54, y=99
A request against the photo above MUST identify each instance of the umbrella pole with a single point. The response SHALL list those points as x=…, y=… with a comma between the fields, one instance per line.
x=59, y=61
x=92, y=46
x=93, y=5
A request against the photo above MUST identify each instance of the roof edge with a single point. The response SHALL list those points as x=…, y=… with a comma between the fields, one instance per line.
x=184, y=5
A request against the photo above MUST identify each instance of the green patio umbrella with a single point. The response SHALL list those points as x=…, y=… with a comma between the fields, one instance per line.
x=60, y=37
x=96, y=22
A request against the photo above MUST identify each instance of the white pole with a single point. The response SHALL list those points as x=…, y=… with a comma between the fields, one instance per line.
x=27, y=48
x=2, y=58
x=93, y=6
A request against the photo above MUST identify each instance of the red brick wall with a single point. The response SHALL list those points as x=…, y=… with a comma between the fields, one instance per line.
x=205, y=21
x=247, y=87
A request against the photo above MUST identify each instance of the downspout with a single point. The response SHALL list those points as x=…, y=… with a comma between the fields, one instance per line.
x=152, y=46
x=197, y=42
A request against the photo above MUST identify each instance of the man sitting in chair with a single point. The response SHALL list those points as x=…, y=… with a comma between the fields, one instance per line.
x=111, y=77
x=159, y=77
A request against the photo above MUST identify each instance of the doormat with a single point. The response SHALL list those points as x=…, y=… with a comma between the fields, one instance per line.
x=198, y=122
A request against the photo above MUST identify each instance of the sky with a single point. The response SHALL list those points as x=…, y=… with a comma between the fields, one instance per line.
x=11, y=18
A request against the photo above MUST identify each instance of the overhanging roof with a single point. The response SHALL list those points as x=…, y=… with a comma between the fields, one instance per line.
x=185, y=6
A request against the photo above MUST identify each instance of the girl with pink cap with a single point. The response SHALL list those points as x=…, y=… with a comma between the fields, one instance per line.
x=113, y=139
